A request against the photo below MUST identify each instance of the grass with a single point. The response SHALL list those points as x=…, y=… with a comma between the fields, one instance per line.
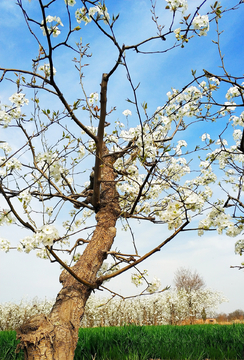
x=164, y=342
x=8, y=344
x=193, y=342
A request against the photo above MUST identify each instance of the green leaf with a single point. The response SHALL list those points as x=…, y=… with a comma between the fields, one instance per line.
x=130, y=101
x=144, y=105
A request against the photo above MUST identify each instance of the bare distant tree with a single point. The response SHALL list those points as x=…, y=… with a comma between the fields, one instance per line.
x=188, y=280
x=236, y=315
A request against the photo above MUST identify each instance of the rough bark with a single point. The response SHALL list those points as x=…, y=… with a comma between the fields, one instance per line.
x=55, y=336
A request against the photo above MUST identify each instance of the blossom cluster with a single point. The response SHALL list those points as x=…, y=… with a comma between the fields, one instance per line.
x=239, y=247
x=148, y=148
x=5, y=147
x=201, y=23
x=217, y=218
x=51, y=162
x=46, y=69
x=7, y=113
x=12, y=315
x=138, y=278
x=70, y=2
x=7, y=166
x=171, y=209
x=154, y=285
x=19, y=99
x=83, y=15
x=44, y=236
x=181, y=305
x=230, y=160
x=72, y=225
x=107, y=269
x=93, y=98
x=5, y=217
x=174, y=5
x=52, y=24
x=4, y=245
x=168, y=307
x=25, y=198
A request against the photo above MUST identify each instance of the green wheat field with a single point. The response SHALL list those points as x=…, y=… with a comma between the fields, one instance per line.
x=131, y=342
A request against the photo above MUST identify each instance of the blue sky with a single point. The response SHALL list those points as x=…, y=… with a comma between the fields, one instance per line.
x=211, y=255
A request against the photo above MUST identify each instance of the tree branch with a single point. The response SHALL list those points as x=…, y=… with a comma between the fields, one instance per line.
x=158, y=248
x=58, y=93
x=25, y=224
x=141, y=188
x=100, y=134
x=67, y=268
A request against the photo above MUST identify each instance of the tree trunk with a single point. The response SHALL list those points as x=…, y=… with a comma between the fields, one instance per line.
x=55, y=336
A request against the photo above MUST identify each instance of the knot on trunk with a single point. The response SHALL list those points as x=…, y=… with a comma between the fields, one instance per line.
x=32, y=332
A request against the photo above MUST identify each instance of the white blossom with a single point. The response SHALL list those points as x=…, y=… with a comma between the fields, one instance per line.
x=4, y=245
x=237, y=134
x=70, y=2
x=80, y=15
x=83, y=15
x=201, y=22
x=49, y=210
x=5, y=147
x=127, y=112
x=232, y=92
x=82, y=151
x=239, y=247
x=215, y=80
x=154, y=285
x=93, y=98
x=46, y=69
x=138, y=278
x=25, y=197
x=53, y=29
x=205, y=136
x=177, y=33
x=6, y=217
x=19, y=99
x=174, y=5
